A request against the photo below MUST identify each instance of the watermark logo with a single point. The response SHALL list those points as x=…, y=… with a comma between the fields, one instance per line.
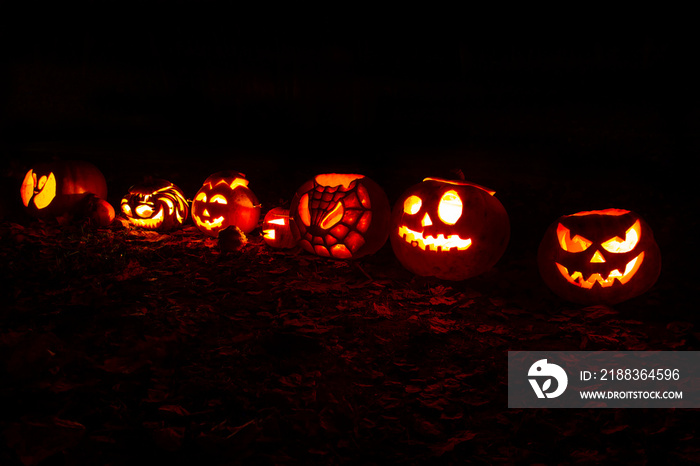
x=544, y=372
x=603, y=379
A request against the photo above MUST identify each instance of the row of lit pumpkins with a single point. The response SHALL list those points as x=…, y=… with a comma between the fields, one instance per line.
x=448, y=229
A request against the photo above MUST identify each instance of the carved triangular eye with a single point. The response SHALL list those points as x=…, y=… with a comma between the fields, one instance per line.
x=412, y=205
x=569, y=244
x=632, y=236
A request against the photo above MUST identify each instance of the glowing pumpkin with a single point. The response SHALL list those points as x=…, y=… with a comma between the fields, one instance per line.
x=155, y=204
x=599, y=257
x=451, y=230
x=277, y=231
x=57, y=188
x=341, y=216
x=225, y=199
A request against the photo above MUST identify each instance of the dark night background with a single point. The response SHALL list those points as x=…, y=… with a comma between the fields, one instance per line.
x=555, y=115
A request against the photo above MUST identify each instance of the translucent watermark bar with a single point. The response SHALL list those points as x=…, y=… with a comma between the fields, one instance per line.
x=604, y=379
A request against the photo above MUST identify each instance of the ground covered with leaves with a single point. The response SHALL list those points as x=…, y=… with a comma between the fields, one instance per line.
x=122, y=345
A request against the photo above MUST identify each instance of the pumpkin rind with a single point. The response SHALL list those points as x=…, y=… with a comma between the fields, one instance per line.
x=455, y=246
x=591, y=274
x=56, y=188
x=340, y=216
x=103, y=213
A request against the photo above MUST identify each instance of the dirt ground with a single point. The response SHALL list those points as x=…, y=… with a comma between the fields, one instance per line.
x=119, y=340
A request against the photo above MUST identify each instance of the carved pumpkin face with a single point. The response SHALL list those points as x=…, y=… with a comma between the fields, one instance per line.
x=277, y=231
x=223, y=200
x=155, y=204
x=451, y=230
x=341, y=216
x=599, y=257
x=56, y=188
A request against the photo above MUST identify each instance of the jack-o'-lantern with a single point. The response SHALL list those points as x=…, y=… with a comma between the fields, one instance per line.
x=599, y=257
x=451, y=230
x=155, y=204
x=276, y=229
x=225, y=199
x=341, y=216
x=56, y=188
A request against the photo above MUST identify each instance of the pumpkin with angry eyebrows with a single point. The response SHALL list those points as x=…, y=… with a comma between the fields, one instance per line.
x=599, y=256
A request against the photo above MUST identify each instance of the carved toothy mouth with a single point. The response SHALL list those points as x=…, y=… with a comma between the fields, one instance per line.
x=145, y=218
x=434, y=243
x=153, y=222
x=211, y=224
x=577, y=279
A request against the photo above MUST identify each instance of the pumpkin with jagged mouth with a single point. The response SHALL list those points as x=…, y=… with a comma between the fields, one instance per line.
x=449, y=229
x=340, y=216
x=155, y=204
x=224, y=200
x=599, y=257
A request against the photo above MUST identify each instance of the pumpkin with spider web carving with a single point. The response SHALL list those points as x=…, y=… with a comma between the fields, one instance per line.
x=340, y=216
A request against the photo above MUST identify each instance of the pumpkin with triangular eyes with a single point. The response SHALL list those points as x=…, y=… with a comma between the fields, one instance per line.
x=223, y=200
x=340, y=216
x=448, y=229
x=58, y=188
x=599, y=256
x=155, y=204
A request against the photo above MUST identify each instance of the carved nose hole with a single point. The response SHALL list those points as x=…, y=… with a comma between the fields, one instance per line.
x=597, y=257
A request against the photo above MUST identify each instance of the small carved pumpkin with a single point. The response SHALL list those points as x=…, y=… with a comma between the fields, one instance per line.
x=225, y=199
x=341, y=216
x=57, y=188
x=155, y=204
x=451, y=230
x=599, y=257
x=277, y=231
